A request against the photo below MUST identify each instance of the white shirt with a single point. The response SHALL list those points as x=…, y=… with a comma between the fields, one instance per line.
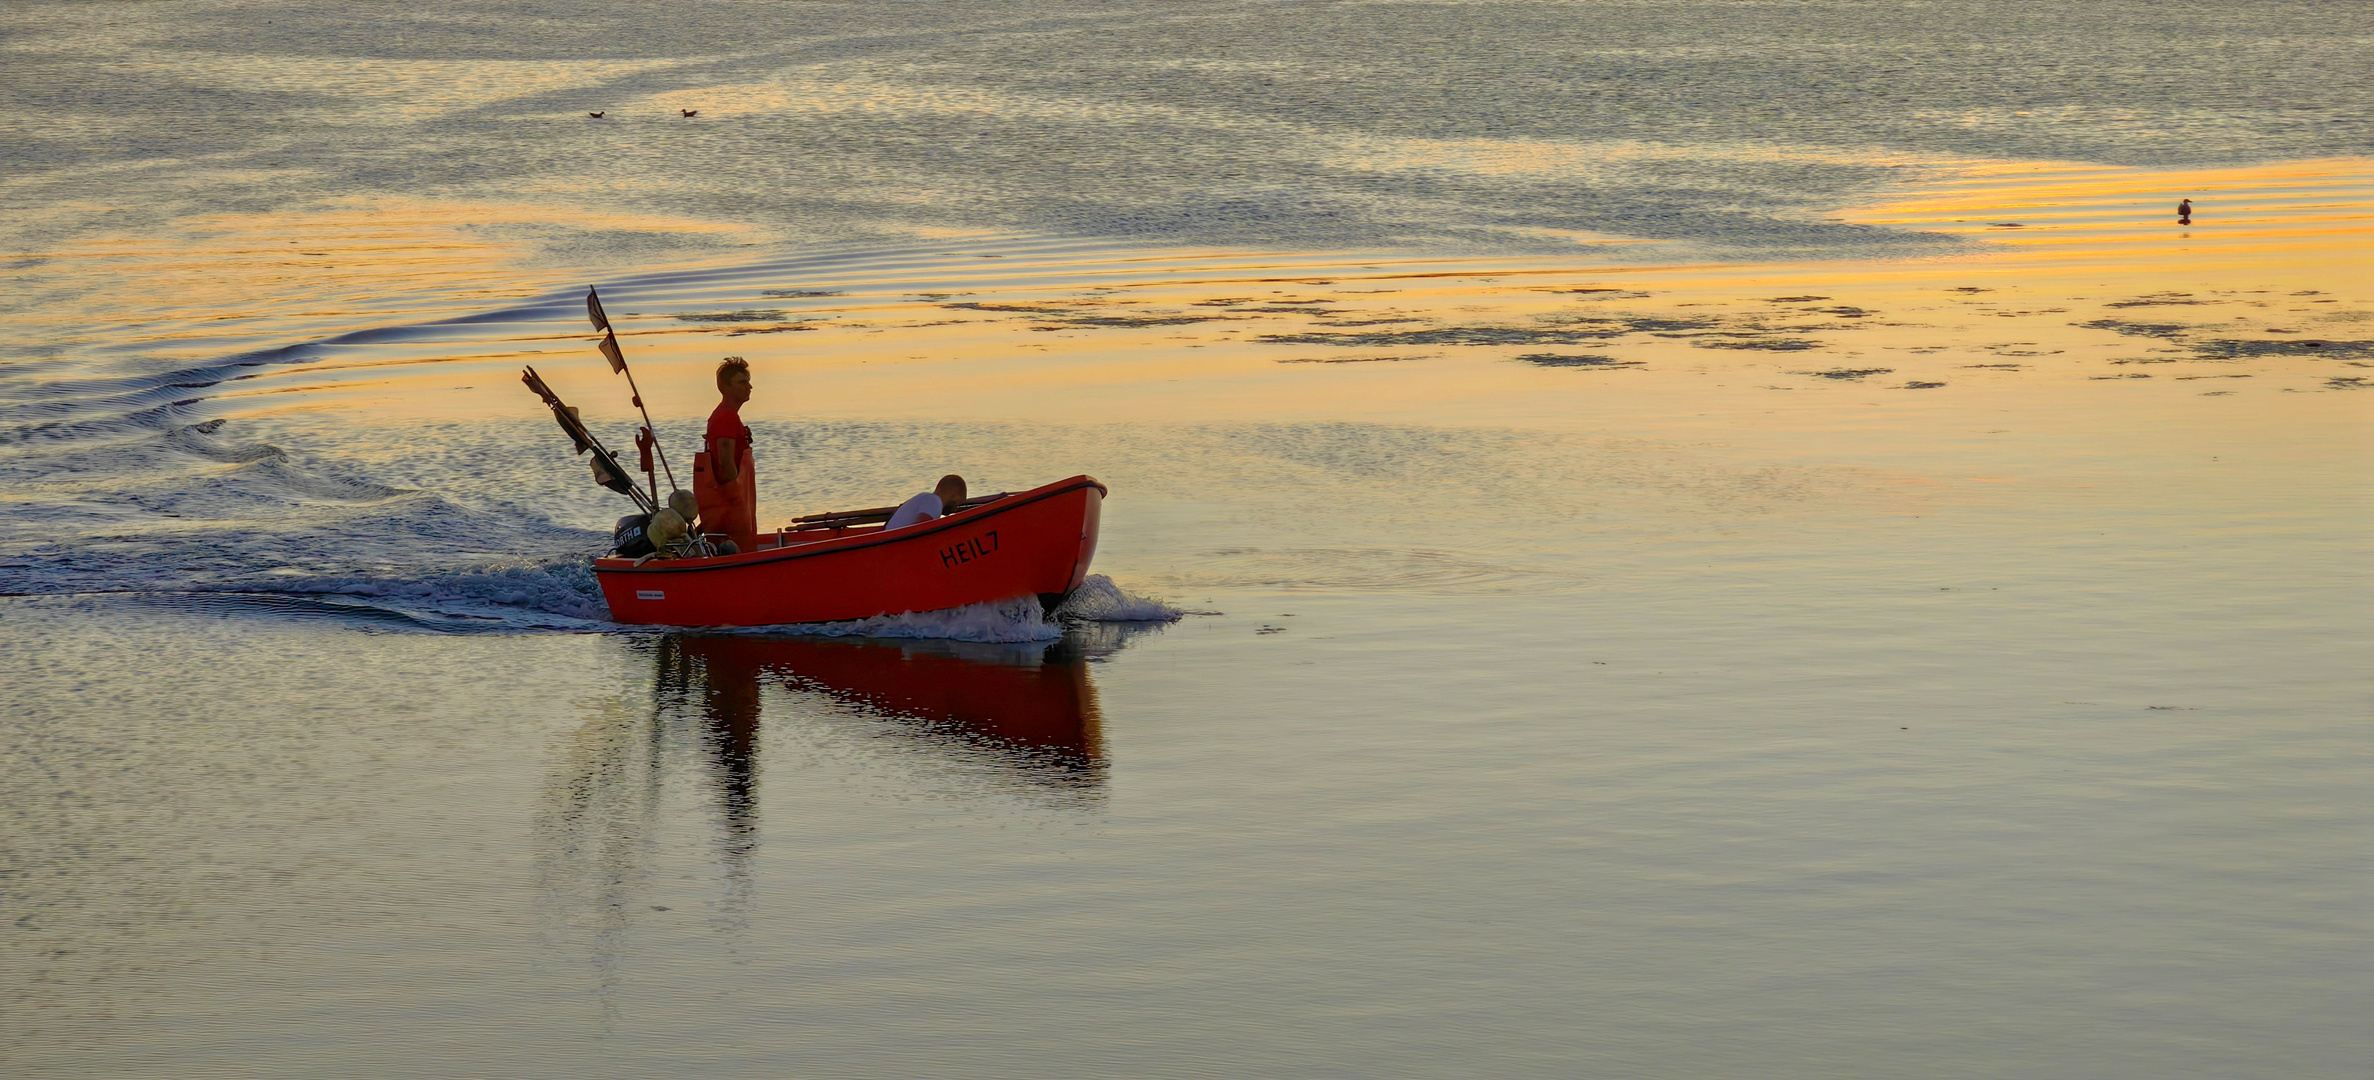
x=914, y=511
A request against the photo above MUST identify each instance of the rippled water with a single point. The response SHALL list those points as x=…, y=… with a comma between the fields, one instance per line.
x=1647, y=539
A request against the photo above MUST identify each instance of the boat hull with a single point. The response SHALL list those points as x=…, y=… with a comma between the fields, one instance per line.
x=1037, y=542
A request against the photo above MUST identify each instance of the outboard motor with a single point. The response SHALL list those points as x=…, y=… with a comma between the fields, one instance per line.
x=663, y=530
x=633, y=536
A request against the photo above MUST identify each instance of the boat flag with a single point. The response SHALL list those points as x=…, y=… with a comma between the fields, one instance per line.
x=610, y=351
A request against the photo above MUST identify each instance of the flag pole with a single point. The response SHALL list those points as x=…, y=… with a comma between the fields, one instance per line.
x=610, y=351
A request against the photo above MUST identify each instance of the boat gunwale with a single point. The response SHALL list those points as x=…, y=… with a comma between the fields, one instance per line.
x=859, y=543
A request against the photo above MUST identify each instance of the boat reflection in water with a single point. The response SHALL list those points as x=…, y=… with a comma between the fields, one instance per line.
x=1027, y=711
x=1017, y=719
x=1023, y=715
x=1028, y=707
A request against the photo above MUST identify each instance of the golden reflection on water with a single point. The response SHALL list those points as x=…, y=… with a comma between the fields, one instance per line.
x=2303, y=218
x=2041, y=319
x=220, y=282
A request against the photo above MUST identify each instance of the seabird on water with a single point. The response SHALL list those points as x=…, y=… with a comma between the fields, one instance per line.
x=595, y=115
x=690, y=112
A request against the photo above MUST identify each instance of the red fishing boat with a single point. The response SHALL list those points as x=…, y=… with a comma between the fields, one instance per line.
x=823, y=567
x=835, y=567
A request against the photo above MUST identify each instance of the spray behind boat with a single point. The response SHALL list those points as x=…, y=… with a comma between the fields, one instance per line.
x=660, y=527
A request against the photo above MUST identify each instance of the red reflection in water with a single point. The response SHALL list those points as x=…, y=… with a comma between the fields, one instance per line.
x=1032, y=708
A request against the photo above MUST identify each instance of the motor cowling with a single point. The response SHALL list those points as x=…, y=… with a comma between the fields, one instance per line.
x=633, y=536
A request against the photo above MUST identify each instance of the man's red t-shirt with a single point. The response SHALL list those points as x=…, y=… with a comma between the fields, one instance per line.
x=726, y=423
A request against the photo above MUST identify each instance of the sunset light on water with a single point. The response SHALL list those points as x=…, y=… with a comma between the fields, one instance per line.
x=1667, y=539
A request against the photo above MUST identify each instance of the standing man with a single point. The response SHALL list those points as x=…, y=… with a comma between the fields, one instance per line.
x=721, y=473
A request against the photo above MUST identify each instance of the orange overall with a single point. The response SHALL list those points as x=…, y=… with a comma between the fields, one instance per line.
x=732, y=508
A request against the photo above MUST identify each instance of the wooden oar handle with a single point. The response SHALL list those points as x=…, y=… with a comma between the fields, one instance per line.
x=844, y=518
x=881, y=512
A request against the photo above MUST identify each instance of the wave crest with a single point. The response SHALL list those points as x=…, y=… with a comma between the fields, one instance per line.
x=1099, y=600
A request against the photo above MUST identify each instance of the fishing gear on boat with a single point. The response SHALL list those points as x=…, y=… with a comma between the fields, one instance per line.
x=646, y=440
x=662, y=530
x=606, y=469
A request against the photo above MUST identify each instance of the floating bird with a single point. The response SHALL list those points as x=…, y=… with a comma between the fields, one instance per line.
x=595, y=115
x=690, y=112
x=2184, y=212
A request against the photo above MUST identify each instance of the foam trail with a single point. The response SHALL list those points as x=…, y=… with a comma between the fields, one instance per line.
x=1099, y=600
x=1015, y=620
x=560, y=594
x=548, y=594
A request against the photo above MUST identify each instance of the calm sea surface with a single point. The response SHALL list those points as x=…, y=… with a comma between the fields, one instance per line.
x=1658, y=539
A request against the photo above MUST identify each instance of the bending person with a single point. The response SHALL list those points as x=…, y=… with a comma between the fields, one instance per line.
x=941, y=499
x=722, y=477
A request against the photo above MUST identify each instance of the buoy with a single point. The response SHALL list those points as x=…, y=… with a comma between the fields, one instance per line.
x=666, y=529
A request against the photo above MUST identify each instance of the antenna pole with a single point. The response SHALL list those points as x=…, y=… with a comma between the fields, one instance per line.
x=655, y=446
x=610, y=351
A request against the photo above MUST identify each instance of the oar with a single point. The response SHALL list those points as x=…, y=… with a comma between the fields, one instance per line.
x=879, y=513
x=842, y=518
x=607, y=471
